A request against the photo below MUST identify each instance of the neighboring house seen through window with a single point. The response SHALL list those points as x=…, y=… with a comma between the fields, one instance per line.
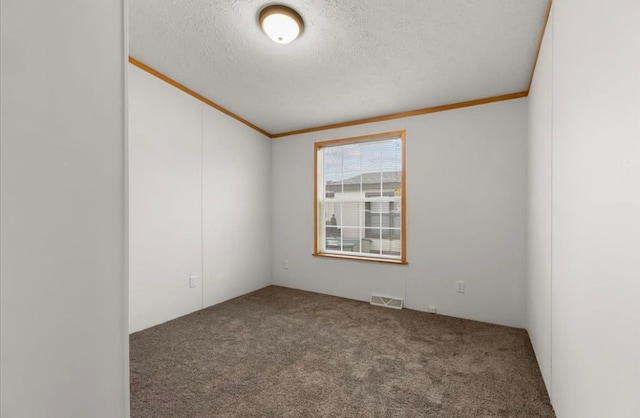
x=360, y=198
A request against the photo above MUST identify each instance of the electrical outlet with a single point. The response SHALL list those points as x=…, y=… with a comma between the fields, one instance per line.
x=432, y=309
x=460, y=286
x=285, y=264
x=192, y=281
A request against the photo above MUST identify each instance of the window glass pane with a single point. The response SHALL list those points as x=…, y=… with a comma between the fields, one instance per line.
x=385, y=221
x=392, y=182
x=351, y=239
x=351, y=158
x=332, y=242
x=373, y=222
x=333, y=182
x=372, y=184
x=351, y=213
x=378, y=207
x=332, y=160
x=372, y=233
x=392, y=234
x=348, y=241
x=330, y=220
x=351, y=185
x=334, y=217
x=395, y=209
x=392, y=155
x=333, y=185
x=373, y=243
x=396, y=222
x=332, y=232
x=371, y=157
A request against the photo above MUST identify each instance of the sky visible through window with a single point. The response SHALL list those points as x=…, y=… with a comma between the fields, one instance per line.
x=347, y=161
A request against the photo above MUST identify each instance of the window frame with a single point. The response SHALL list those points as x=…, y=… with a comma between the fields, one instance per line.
x=317, y=201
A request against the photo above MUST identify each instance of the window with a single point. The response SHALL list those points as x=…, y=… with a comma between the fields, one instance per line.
x=360, y=198
x=385, y=214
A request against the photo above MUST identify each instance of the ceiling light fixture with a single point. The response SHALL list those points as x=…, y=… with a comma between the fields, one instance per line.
x=281, y=23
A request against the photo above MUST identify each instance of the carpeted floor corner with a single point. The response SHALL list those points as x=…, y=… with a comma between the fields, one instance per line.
x=281, y=352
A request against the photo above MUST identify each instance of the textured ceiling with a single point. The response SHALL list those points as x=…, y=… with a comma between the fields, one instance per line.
x=355, y=59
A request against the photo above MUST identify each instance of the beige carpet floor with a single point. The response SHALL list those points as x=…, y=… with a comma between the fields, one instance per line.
x=280, y=352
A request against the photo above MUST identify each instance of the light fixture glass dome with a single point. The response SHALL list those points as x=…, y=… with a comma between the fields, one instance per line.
x=281, y=23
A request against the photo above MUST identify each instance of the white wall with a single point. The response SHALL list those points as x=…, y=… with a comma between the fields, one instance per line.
x=596, y=209
x=63, y=339
x=199, y=204
x=466, y=215
x=584, y=229
x=165, y=201
x=237, y=208
x=539, y=236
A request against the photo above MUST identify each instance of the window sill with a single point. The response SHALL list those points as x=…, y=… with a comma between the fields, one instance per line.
x=351, y=257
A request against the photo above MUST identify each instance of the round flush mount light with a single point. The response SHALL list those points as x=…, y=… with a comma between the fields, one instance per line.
x=281, y=23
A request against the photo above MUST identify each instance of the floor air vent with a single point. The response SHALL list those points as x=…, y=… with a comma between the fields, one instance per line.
x=386, y=302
